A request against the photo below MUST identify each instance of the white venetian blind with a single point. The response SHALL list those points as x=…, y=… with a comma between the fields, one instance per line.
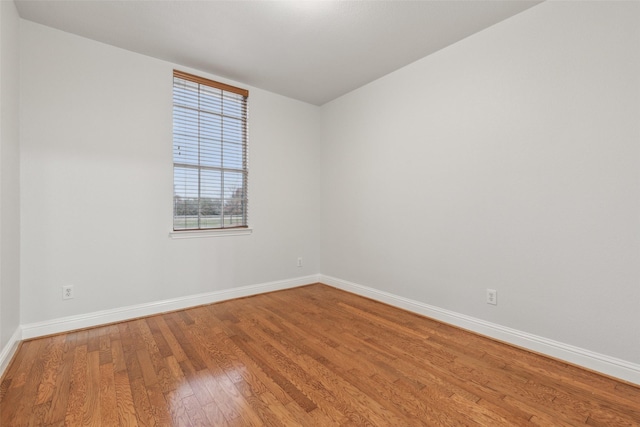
x=209, y=154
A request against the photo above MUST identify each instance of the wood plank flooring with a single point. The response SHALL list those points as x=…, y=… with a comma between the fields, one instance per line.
x=310, y=356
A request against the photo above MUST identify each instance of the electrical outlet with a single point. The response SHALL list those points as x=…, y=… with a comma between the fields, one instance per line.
x=67, y=292
x=299, y=261
x=492, y=296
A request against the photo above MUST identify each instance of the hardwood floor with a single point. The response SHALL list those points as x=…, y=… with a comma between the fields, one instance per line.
x=311, y=356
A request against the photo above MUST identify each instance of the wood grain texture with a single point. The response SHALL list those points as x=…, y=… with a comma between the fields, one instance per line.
x=310, y=356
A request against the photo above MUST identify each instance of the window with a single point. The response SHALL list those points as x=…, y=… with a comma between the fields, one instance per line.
x=209, y=154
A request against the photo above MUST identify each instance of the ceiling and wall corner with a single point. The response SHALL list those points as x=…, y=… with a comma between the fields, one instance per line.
x=313, y=51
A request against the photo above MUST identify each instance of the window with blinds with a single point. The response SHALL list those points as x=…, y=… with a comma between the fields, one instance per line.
x=209, y=154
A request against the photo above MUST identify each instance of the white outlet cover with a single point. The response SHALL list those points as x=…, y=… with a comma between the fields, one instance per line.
x=67, y=292
x=492, y=296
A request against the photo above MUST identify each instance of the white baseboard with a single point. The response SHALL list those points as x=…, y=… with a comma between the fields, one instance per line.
x=70, y=323
x=607, y=365
x=9, y=349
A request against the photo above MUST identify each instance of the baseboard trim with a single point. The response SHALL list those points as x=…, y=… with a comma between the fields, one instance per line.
x=70, y=323
x=607, y=365
x=604, y=364
x=9, y=350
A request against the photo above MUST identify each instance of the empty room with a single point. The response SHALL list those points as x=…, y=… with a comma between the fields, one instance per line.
x=319, y=213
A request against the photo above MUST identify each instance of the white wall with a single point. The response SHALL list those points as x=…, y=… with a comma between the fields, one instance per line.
x=510, y=160
x=9, y=177
x=96, y=171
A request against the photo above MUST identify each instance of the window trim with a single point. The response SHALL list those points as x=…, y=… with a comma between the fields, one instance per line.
x=211, y=83
x=210, y=232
